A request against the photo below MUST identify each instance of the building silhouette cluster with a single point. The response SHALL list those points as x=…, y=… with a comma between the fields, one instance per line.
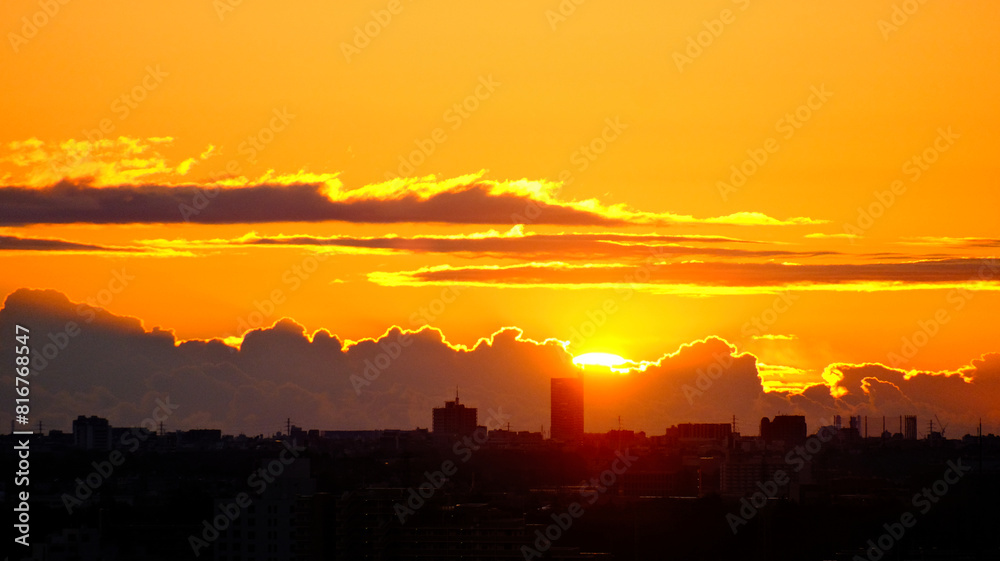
x=440, y=494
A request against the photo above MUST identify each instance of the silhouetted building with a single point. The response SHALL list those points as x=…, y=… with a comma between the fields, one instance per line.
x=743, y=474
x=567, y=409
x=269, y=529
x=454, y=418
x=910, y=427
x=507, y=439
x=790, y=429
x=92, y=433
x=200, y=438
x=701, y=431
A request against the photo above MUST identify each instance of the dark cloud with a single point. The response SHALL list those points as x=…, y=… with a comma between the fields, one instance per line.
x=98, y=363
x=957, y=243
x=465, y=200
x=568, y=246
x=18, y=243
x=726, y=274
x=474, y=203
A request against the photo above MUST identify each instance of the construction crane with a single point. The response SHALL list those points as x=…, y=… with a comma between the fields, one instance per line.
x=942, y=425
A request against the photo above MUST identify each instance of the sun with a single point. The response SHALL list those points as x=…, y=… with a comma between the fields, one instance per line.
x=599, y=359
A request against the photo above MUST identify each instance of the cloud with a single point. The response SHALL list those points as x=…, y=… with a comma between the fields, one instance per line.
x=128, y=180
x=107, y=161
x=113, y=366
x=713, y=278
x=753, y=219
x=18, y=243
x=779, y=377
x=821, y=236
x=515, y=243
x=953, y=243
x=957, y=396
x=474, y=201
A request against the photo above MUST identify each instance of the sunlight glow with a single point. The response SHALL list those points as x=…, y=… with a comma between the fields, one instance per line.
x=599, y=359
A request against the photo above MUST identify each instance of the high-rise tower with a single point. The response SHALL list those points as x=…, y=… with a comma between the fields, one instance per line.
x=567, y=409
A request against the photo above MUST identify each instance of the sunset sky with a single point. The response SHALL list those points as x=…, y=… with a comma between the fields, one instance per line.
x=814, y=183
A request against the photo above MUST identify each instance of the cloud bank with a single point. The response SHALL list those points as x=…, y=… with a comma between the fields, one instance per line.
x=112, y=366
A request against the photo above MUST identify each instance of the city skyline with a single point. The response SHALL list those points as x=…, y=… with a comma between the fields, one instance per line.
x=907, y=430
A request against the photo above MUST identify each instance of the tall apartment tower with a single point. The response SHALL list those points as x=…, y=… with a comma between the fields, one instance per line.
x=567, y=409
x=454, y=418
x=92, y=433
x=910, y=427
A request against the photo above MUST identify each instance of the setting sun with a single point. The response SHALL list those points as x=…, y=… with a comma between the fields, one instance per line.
x=599, y=359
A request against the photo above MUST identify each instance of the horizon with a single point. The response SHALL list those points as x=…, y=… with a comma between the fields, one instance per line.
x=278, y=434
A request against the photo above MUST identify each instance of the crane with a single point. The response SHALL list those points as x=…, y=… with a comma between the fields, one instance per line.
x=942, y=425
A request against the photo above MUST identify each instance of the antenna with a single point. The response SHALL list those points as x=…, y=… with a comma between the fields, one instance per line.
x=288, y=426
x=456, y=394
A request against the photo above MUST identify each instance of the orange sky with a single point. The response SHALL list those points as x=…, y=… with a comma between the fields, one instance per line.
x=613, y=121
